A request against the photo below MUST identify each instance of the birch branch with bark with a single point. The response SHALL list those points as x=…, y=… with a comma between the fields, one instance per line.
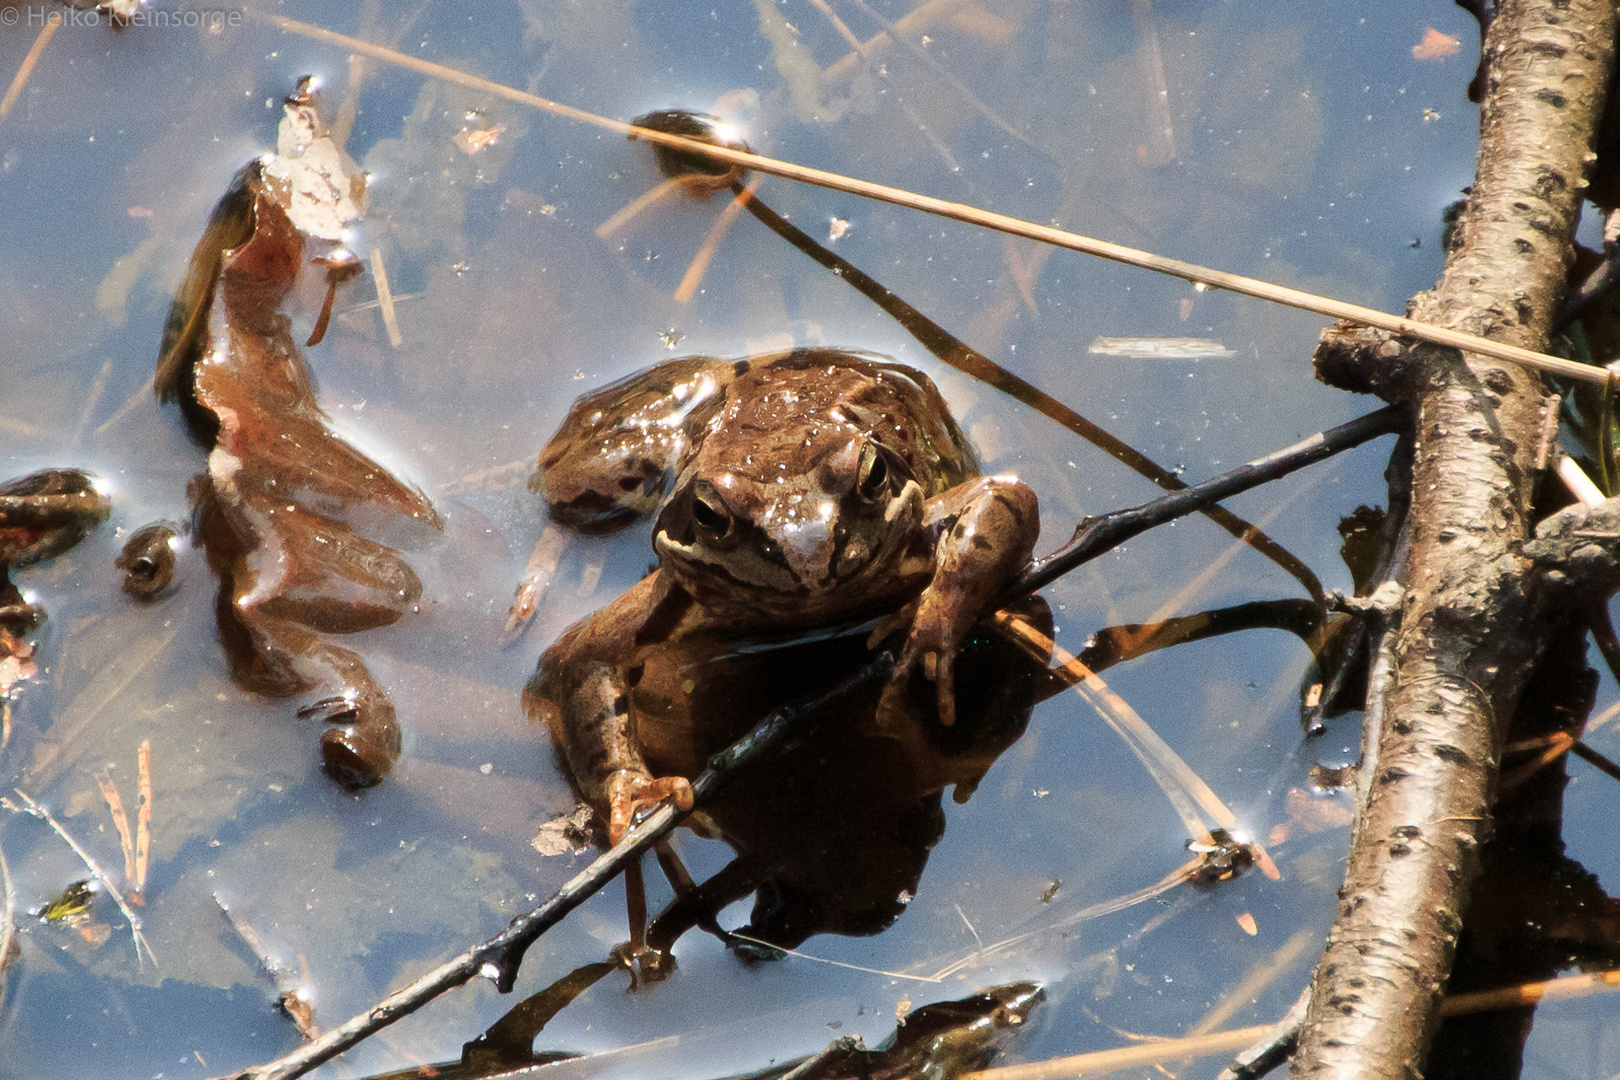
x=1468, y=632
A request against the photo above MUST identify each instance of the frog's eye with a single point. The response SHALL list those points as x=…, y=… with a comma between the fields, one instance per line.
x=710, y=513
x=872, y=482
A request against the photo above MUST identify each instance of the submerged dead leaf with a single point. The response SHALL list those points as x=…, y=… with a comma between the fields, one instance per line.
x=309, y=169
x=564, y=835
x=472, y=140
x=1435, y=45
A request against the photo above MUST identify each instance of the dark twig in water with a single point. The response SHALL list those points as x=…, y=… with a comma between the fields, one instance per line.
x=500, y=957
x=1095, y=535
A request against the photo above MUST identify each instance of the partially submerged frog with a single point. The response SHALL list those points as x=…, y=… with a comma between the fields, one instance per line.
x=794, y=492
x=41, y=516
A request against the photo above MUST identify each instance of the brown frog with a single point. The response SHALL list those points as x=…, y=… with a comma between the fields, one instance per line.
x=794, y=492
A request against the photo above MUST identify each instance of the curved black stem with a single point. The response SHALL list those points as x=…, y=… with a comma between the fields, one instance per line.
x=1095, y=535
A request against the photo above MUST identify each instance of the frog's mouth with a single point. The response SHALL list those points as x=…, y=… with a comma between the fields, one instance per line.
x=805, y=563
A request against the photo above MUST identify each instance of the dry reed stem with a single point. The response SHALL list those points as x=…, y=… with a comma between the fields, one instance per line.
x=633, y=209
x=14, y=91
x=115, y=806
x=143, y=814
x=1195, y=801
x=385, y=299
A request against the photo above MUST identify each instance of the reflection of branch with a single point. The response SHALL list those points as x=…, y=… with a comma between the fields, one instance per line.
x=1116, y=644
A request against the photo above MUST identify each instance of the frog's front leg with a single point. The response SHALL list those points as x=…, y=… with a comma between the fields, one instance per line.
x=986, y=531
x=581, y=692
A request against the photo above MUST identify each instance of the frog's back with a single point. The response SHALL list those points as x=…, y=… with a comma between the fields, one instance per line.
x=612, y=459
x=782, y=395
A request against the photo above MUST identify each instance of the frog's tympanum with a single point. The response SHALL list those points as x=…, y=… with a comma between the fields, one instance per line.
x=41, y=516
x=276, y=508
x=797, y=495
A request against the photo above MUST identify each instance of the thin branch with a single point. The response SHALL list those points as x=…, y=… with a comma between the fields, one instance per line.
x=1095, y=535
x=34, y=809
x=1046, y=234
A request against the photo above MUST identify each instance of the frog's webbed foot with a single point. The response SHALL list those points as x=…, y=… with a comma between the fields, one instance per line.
x=630, y=792
x=987, y=530
x=937, y=630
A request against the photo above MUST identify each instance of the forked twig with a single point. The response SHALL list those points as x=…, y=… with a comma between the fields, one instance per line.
x=1046, y=234
x=34, y=809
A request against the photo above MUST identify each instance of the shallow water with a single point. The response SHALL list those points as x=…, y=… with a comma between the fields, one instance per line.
x=1306, y=146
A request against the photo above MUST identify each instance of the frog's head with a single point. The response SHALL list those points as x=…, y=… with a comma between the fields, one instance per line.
x=801, y=524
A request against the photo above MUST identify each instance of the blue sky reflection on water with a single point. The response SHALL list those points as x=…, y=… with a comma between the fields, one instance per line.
x=1302, y=144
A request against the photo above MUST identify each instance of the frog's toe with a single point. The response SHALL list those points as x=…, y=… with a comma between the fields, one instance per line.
x=629, y=794
x=892, y=625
